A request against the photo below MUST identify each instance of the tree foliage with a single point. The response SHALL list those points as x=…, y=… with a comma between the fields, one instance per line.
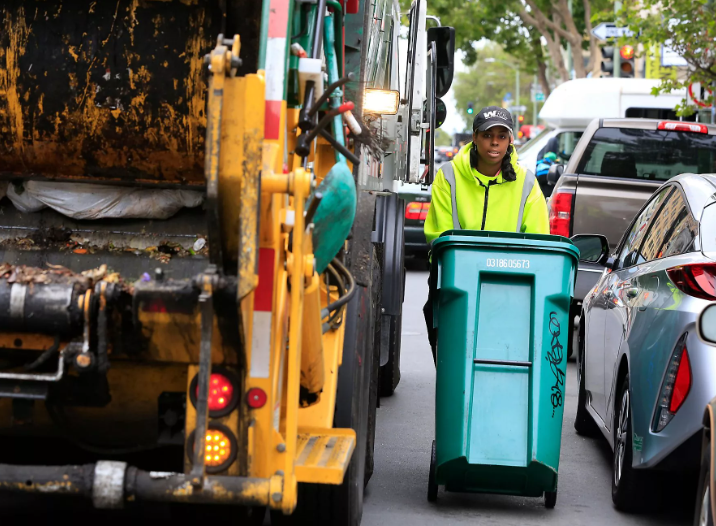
x=688, y=26
x=521, y=26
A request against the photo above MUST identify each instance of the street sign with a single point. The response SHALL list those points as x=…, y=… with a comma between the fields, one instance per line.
x=607, y=30
x=539, y=97
x=508, y=96
x=698, y=93
x=518, y=109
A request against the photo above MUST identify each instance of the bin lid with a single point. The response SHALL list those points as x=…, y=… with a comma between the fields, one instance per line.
x=451, y=238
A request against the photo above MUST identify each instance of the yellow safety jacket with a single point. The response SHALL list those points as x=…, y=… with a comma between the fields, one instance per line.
x=464, y=199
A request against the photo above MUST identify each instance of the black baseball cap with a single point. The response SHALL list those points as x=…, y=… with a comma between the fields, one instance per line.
x=492, y=116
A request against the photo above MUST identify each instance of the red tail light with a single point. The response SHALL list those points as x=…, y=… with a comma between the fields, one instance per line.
x=223, y=392
x=698, y=279
x=675, y=387
x=560, y=213
x=256, y=398
x=417, y=210
x=682, y=385
x=682, y=126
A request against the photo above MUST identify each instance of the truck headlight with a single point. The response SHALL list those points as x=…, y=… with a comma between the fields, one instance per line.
x=384, y=102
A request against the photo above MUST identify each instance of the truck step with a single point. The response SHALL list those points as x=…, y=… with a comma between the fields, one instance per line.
x=323, y=455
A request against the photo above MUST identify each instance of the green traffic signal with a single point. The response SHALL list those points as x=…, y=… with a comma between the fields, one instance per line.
x=470, y=108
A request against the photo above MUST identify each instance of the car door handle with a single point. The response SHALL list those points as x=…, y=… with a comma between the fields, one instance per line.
x=632, y=292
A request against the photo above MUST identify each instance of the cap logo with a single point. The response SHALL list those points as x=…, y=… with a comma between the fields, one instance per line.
x=495, y=113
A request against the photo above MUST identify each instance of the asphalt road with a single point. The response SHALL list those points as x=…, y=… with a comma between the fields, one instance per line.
x=397, y=492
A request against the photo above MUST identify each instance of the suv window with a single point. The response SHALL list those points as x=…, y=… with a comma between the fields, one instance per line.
x=672, y=232
x=562, y=145
x=629, y=254
x=656, y=155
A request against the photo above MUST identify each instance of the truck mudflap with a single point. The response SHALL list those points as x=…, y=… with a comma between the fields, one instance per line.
x=111, y=484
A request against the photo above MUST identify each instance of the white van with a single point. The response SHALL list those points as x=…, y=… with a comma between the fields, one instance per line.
x=574, y=104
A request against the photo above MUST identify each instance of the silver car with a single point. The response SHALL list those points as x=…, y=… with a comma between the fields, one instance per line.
x=644, y=375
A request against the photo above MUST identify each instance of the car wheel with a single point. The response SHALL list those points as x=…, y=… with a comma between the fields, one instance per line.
x=550, y=499
x=584, y=425
x=629, y=486
x=704, y=513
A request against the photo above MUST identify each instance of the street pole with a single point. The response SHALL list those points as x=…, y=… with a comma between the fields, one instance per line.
x=517, y=86
x=534, y=101
x=617, y=57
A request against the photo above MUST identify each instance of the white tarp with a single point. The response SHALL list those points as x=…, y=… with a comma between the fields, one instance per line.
x=93, y=201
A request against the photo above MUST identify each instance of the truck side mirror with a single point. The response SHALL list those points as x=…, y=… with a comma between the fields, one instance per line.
x=706, y=326
x=593, y=248
x=554, y=173
x=444, y=38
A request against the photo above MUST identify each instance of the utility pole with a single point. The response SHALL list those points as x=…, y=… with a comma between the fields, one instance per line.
x=517, y=86
x=534, y=101
x=617, y=60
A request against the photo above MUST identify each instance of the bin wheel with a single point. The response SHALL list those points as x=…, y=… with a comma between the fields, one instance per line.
x=432, y=480
x=550, y=499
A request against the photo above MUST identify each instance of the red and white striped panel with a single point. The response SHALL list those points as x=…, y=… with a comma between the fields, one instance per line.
x=275, y=67
x=263, y=305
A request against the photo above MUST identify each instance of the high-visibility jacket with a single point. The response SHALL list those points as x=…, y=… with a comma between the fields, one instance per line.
x=465, y=199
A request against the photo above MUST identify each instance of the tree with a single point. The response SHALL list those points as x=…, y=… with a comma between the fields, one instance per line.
x=689, y=26
x=520, y=27
x=442, y=138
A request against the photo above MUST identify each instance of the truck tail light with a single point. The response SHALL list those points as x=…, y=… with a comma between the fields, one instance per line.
x=220, y=448
x=697, y=280
x=560, y=213
x=676, y=386
x=683, y=127
x=416, y=210
x=223, y=392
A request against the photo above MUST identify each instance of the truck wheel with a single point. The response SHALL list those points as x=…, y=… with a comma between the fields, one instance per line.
x=390, y=372
x=342, y=505
x=432, y=477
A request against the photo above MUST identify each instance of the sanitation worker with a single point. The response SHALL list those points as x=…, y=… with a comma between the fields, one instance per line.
x=484, y=188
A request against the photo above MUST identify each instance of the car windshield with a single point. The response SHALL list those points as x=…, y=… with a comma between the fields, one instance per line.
x=656, y=155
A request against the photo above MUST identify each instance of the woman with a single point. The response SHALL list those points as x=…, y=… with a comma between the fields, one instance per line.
x=484, y=188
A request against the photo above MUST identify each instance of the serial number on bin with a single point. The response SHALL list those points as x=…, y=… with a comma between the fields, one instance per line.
x=508, y=263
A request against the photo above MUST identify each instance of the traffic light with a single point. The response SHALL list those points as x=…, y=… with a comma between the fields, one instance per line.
x=607, y=61
x=521, y=119
x=470, y=108
x=626, y=67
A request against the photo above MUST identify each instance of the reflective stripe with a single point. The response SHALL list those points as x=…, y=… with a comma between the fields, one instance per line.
x=526, y=190
x=449, y=174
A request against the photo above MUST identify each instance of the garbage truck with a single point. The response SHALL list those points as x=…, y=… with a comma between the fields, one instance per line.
x=201, y=271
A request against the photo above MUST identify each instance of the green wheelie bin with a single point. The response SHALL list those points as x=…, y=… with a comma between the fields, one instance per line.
x=501, y=310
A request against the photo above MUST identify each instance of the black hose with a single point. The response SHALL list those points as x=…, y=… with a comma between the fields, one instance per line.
x=338, y=146
x=327, y=93
x=347, y=296
x=44, y=357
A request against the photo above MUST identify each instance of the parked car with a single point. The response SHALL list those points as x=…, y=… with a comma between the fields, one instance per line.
x=644, y=375
x=415, y=213
x=616, y=166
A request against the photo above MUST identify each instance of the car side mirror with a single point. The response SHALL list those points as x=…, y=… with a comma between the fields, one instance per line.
x=593, y=248
x=706, y=325
x=444, y=38
x=554, y=173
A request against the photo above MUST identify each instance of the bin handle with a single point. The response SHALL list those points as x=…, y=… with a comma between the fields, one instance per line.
x=502, y=362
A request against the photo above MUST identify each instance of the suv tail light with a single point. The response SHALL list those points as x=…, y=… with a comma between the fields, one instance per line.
x=676, y=386
x=416, y=210
x=560, y=213
x=682, y=126
x=698, y=279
